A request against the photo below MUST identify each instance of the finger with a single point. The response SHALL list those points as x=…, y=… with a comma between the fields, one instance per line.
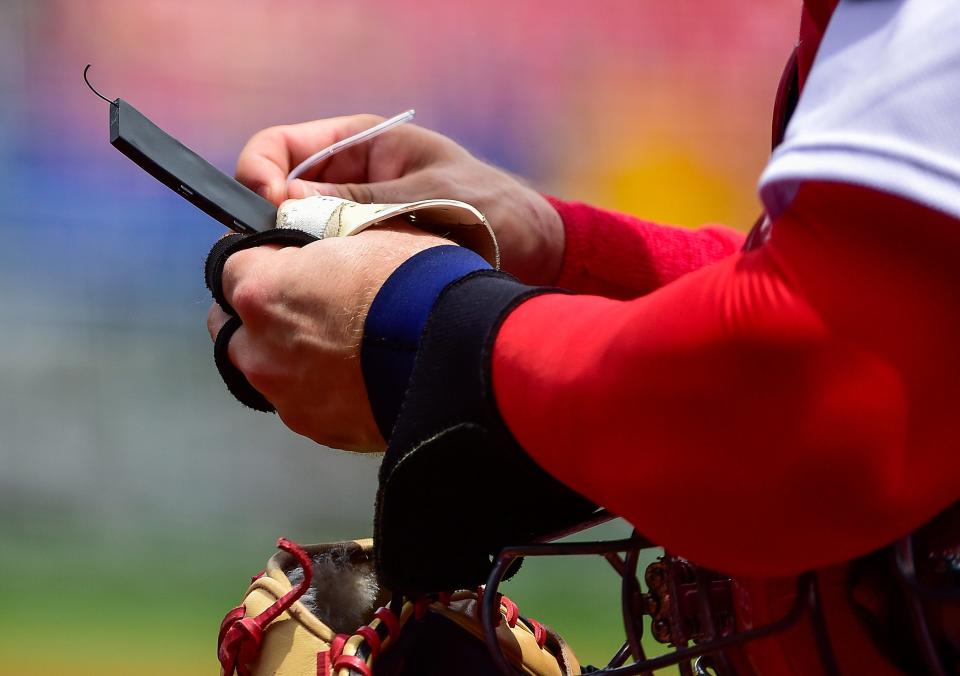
x=240, y=353
x=245, y=280
x=270, y=154
x=409, y=188
x=216, y=318
x=233, y=353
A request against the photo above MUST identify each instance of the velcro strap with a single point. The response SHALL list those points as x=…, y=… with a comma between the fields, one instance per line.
x=231, y=244
x=237, y=383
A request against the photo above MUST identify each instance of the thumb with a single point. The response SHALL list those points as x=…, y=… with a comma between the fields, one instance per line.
x=404, y=189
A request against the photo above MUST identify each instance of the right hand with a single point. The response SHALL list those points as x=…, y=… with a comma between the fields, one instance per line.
x=406, y=164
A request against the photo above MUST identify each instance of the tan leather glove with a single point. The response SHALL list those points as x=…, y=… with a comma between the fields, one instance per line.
x=318, y=609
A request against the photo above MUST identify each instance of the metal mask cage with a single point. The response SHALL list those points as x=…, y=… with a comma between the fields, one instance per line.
x=694, y=652
x=919, y=595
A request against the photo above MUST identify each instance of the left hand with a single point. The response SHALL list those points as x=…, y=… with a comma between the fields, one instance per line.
x=303, y=312
x=410, y=164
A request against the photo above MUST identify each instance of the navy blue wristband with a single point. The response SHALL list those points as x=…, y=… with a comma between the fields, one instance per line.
x=396, y=321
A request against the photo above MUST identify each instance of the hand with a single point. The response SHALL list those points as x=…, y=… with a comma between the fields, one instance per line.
x=303, y=311
x=406, y=164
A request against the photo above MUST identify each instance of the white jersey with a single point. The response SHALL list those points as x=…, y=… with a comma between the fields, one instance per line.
x=880, y=108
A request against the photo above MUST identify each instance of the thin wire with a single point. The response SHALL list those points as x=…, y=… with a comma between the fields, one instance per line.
x=93, y=89
x=343, y=144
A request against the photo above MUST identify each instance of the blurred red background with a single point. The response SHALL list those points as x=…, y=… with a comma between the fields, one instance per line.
x=135, y=496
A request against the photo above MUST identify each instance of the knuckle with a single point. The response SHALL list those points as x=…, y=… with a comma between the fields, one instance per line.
x=250, y=283
x=258, y=371
x=269, y=136
x=250, y=299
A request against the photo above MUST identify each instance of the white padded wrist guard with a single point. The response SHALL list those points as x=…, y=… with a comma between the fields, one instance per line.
x=324, y=216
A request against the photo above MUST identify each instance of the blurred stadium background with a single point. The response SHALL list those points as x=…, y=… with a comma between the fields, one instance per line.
x=136, y=497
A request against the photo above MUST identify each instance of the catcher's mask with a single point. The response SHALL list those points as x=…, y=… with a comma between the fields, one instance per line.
x=894, y=611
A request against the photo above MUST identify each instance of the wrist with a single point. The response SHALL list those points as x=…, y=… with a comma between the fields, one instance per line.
x=554, y=243
x=396, y=320
x=538, y=258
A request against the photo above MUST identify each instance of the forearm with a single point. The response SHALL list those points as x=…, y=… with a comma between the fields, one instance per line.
x=620, y=256
x=774, y=386
x=800, y=389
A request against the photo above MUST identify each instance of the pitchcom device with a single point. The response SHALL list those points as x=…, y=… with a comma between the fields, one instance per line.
x=185, y=172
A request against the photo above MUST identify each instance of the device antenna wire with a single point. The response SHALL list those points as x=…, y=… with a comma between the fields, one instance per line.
x=94, y=89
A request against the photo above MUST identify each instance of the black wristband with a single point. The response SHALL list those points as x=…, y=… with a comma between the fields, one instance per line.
x=455, y=487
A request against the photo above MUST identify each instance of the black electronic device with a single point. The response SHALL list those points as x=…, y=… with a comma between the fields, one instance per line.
x=184, y=171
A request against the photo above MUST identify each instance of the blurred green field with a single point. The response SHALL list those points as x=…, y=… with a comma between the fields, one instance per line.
x=79, y=601
x=133, y=520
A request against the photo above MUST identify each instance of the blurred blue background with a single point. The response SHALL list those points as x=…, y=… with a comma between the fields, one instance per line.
x=136, y=496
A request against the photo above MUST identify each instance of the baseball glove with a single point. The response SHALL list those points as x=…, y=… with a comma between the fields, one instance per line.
x=318, y=609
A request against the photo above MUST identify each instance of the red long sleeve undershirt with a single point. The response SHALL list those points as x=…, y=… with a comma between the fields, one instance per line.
x=779, y=410
x=620, y=256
